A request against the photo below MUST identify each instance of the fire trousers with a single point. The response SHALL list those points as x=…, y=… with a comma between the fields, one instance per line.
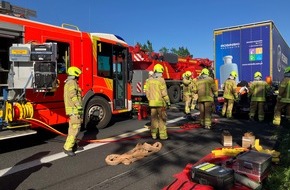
x=73, y=130
x=205, y=109
x=277, y=112
x=158, y=122
x=254, y=106
x=187, y=99
x=228, y=108
x=194, y=101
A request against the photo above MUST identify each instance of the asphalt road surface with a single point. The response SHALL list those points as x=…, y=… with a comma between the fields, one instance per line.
x=37, y=161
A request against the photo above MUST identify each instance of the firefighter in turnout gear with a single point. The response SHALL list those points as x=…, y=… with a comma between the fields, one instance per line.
x=230, y=94
x=194, y=96
x=73, y=108
x=157, y=96
x=207, y=90
x=187, y=91
x=283, y=99
x=257, y=92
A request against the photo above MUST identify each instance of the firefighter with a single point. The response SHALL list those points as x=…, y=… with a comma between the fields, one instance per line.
x=283, y=99
x=157, y=96
x=207, y=90
x=73, y=108
x=257, y=93
x=194, y=96
x=187, y=91
x=150, y=76
x=230, y=94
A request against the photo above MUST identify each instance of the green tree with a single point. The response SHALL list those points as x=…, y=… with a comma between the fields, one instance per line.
x=181, y=52
x=164, y=50
x=147, y=47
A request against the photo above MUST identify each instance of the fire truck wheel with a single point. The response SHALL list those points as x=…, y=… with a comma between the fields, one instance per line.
x=174, y=93
x=97, y=114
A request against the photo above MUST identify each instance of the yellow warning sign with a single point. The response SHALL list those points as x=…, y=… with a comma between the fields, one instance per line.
x=19, y=52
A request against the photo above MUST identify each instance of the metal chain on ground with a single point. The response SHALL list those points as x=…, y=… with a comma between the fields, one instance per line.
x=140, y=151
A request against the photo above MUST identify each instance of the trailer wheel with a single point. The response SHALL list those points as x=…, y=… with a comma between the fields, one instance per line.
x=98, y=113
x=174, y=93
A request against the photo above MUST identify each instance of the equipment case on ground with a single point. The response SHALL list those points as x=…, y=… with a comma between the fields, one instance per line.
x=253, y=164
x=214, y=175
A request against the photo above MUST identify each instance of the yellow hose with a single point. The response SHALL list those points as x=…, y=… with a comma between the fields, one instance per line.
x=9, y=112
x=29, y=110
x=24, y=110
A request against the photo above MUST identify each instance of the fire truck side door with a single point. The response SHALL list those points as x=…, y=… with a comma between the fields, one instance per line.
x=119, y=78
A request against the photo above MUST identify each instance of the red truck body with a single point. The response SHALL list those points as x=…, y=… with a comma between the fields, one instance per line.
x=105, y=81
x=174, y=67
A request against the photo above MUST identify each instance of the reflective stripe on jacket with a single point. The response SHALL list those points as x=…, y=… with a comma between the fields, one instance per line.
x=284, y=90
x=72, y=97
x=206, y=89
x=156, y=92
x=230, y=87
x=186, y=83
x=258, y=90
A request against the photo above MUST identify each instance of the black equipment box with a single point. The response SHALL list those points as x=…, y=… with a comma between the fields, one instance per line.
x=44, y=52
x=45, y=67
x=253, y=162
x=45, y=80
x=219, y=177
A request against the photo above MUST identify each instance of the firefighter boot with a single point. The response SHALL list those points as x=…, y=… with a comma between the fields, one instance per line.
x=207, y=127
x=68, y=146
x=154, y=133
x=76, y=147
x=276, y=122
x=163, y=135
x=69, y=152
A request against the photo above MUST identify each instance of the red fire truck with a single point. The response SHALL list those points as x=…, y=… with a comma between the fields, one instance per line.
x=34, y=58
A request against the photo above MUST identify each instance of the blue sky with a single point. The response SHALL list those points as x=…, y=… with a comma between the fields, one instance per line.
x=165, y=23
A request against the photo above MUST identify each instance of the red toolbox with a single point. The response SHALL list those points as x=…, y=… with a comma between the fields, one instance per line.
x=214, y=175
x=255, y=165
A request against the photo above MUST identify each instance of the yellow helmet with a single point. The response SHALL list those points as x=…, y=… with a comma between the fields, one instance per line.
x=287, y=69
x=188, y=74
x=204, y=71
x=257, y=74
x=74, y=71
x=234, y=74
x=158, y=68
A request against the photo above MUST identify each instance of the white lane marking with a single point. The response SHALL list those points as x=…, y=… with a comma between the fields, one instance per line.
x=175, y=120
x=53, y=157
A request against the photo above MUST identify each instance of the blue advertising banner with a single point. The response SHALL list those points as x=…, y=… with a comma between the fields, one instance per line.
x=243, y=49
x=281, y=53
